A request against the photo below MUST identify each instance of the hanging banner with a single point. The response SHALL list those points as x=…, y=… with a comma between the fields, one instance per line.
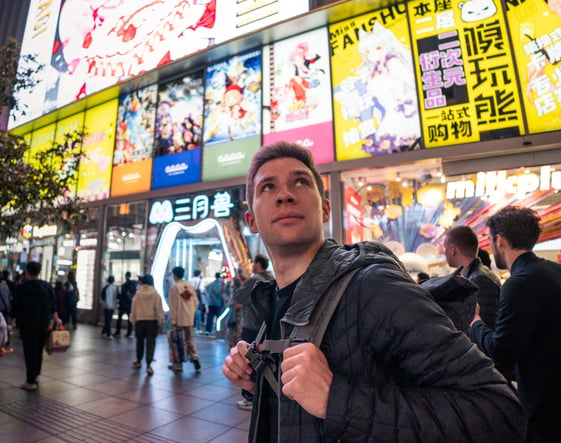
x=233, y=99
x=69, y=131
x=374, y=96
x=535, y=29
x=95, y=168
x=467, y=84
x=297, y=93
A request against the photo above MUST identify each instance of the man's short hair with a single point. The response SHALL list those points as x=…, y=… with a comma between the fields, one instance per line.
x=217, y=275
x=33, y=268
x=484, y=257
x=275, y=151
x=128, y=274
x=178, y=271
x=465, y=239
x=197, y=272
x=262, y=260
x=147, y=280
x=110, y=279
x=519, y=226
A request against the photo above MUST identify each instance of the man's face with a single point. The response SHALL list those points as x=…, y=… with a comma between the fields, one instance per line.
x=287, y=207
x=497, y=253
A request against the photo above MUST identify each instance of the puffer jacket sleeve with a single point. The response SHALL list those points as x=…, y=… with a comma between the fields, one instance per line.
x=402, y=372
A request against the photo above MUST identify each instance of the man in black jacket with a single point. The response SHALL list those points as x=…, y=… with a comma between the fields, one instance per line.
x=34, y=306
x=461, y=245
x=391, y=366
x=527, y=333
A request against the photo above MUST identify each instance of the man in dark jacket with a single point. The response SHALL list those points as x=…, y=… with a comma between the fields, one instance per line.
x=34, y=306
x=128, y=289
x=461, y=245
x=391, y=366
x=527, y=333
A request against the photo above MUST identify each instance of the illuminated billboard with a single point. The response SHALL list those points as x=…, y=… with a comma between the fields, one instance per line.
x=233, y=99
x=467, y=83
x=535, y=30
x=88, y=45
x=374, y=99
x=297, y=93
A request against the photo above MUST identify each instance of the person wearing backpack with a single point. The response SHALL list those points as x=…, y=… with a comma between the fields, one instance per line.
x=183, y=304
x=109, y=296
x=33, y=308
x=390, y=366
x=128, y=289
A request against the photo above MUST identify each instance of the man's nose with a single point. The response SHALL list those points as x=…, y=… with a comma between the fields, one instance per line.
x=285, y=196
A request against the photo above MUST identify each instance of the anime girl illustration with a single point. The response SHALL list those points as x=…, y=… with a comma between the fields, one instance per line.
x=382, y=93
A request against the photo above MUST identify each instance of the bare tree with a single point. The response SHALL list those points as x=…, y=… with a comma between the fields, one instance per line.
x=35, y=187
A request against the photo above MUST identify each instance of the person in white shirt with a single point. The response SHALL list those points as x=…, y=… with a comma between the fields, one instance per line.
x=183, y=304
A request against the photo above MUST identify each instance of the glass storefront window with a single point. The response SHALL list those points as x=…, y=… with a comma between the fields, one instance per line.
x=410, y=207
x=125, y=236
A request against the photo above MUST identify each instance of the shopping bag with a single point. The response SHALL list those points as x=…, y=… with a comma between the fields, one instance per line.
x=177, y=346
x=58, y=341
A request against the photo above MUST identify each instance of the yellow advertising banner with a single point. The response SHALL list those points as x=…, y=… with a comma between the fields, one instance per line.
x=535, y=29
x=95, y=168
x=41, y=140
x=375, y=108
x=67, y=131
x=466, y=80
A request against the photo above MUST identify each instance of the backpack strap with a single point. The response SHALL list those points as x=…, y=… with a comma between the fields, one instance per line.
x=260, y=356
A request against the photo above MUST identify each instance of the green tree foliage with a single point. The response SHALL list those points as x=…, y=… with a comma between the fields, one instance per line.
x=36, y=186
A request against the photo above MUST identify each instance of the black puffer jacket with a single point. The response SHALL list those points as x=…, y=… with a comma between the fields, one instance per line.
x=401, y=371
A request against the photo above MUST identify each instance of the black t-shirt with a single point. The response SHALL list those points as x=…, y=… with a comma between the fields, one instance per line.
x=283, y=297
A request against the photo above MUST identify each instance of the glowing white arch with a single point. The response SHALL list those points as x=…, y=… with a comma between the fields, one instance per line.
x=165, y=247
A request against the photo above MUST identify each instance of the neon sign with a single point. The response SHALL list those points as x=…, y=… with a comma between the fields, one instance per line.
x=499, y=182
x=197, y=207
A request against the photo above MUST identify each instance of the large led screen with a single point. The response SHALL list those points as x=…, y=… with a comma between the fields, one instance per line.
x=88, y=45
x=535, y=27
x=374, y=96
x=297, y=93
x=233, y=99
x=467, y=83
x=95, y=168
x=134, y=142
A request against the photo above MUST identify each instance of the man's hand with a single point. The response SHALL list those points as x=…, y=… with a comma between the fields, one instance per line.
x=236, y=367
x=476, y=317
x=307, y=378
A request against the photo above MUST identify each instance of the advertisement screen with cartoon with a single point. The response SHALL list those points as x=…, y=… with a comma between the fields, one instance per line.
x=179, y=118
x=95, y=168
x=535, y=27
x=297, y=93
x=233, y=99
x=467, y=84
x=375, y=107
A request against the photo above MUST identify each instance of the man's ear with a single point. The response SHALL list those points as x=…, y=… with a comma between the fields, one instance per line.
x=326, y=210
x=250, y=220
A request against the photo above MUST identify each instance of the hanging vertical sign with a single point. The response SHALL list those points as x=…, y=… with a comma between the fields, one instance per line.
x=466, y=80
x=535, y=29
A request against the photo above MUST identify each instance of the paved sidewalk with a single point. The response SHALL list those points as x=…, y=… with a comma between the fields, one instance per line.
x=92, y=393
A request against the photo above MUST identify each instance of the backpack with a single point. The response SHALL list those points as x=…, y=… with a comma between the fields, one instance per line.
x=104, y=293
x=259, y=352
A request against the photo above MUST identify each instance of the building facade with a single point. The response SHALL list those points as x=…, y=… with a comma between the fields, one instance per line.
x=419, y=115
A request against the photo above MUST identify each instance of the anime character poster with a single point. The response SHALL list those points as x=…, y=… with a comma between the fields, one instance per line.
x=535, y=28
x=134, y=142
x=375, y=106
x=297, y=93
x=179, y=117
x=233, y=99
x=94, y=175
x=467, y=85
x=135, y=126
